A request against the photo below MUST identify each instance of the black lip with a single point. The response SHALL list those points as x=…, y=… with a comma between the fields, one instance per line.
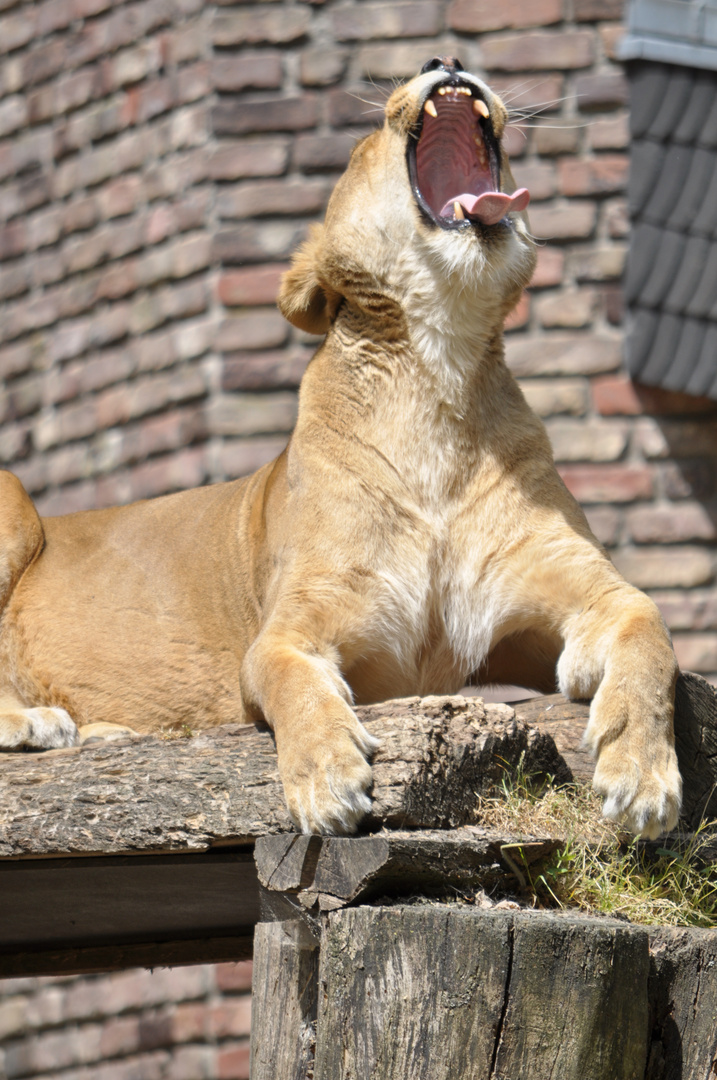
x=492, y=145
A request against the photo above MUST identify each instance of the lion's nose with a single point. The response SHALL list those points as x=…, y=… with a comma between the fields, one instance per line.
x=449, y=64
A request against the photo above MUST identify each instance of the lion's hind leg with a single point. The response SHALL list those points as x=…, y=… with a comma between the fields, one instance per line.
x=21, y=534
x=41, y=728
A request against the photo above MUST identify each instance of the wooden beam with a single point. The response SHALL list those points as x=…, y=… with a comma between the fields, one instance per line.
x=98, y=914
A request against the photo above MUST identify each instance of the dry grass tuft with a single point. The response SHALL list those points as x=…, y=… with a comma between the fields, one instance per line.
x=597, y=868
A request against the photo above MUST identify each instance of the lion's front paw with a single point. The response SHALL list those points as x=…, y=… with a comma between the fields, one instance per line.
x=37, y=729
x=327, y=779
x=642, y=791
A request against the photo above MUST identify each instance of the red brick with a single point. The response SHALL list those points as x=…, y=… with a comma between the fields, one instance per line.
x=15, y=359
x=605, y=523
x=399, y=61
x=598, y=262
x=515, y=140
x=176, y=472
x=611, y=36
x=370, y=20
x=693, y=610
x=258, y=285
x=601, y=175
x=264, y=371
x=17, y=29
x=257, y=242
x=230, y=117
x=251, y=414
x=603, y=91
x=253, y=158
x=233, y=977
x=608, y=483
x=549, y=268
x=322, y=67
x=13, y=114
x=609, y=133
x=348, y=106
x=666, y=567
x=591, y=10
x=666, y=524
x=696, y=652
x=260, y=70
x=158, y=434
x=290, y=197
x=54, y=15
x=230, y=1018
x=538, y=50
x=14, y=239
x=617, y=218
x=480, y=16
x=617, y=395
x=571, y=309
x=14, y=281
x=258, y=26
x=261, y=329
x=241, y=457
x=539, y=177
x=572, y=220
x=587, y=440
x=120, y=196
x=233, y=1064
x=561, y=137
x=563, y=354
x=189, y=1022
x=542, y=94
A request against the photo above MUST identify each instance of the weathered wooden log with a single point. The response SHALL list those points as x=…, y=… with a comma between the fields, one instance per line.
x=222, y=787
x=446, y=991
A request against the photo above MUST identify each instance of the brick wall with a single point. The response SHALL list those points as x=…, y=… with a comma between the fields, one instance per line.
x=159, y=160
x=182, y=1024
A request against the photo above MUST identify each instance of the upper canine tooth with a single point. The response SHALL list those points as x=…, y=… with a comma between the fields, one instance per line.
x=430, y=108
x=480, y=107
x=458, y=210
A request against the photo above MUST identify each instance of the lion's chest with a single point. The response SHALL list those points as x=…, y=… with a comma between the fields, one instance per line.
x=433, y=619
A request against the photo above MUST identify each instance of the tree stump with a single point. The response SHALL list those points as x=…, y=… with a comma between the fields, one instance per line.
x=446, y=992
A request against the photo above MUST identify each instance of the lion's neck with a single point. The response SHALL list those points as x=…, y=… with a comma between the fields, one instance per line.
x=416, y=399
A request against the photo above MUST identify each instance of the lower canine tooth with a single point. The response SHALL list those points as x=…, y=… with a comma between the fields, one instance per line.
x=458, y=211
x=430, y=108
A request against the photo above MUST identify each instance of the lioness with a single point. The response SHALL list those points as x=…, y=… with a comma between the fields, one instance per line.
x=414, y=533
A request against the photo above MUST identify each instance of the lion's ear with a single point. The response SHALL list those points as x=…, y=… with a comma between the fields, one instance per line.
x=303, y=299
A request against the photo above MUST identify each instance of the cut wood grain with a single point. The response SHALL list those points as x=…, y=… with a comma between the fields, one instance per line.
x=447, y=992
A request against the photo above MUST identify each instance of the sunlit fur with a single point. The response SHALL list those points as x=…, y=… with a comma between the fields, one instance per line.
x=414, y=535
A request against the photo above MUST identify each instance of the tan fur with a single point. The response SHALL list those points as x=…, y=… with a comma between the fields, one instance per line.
x=413, y=535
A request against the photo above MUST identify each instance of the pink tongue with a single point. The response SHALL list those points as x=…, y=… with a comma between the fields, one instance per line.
x=489, y=207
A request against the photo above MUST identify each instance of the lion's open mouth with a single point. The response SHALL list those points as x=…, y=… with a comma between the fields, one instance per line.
x=454, y=163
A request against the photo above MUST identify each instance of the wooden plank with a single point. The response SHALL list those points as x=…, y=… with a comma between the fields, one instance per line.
x=329, y=872
x=93, y=960
x=71, y=914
